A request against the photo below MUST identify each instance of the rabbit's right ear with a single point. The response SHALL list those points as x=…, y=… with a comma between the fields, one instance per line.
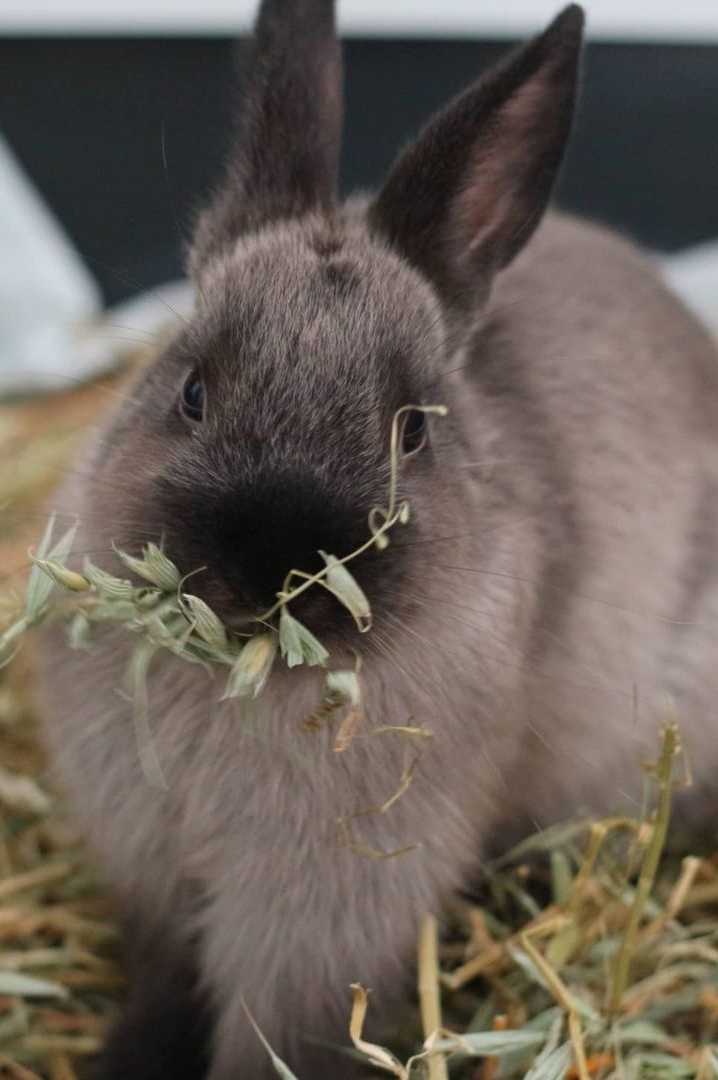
x=285, y=160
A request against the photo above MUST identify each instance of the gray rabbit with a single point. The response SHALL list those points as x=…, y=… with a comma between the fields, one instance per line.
x=556, y=585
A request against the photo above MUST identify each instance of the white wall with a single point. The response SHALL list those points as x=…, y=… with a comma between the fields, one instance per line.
x=689, y=20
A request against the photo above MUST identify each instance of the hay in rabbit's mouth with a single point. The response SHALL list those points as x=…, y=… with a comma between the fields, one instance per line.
x=163, y=616
x=526, y=975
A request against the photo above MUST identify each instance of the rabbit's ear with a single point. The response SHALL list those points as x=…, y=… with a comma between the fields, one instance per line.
x=285, y=159
x=467, y=195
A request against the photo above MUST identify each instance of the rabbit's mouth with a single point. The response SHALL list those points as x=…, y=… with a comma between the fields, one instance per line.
x=317, y=608
x=320, y=612
x=270, y=542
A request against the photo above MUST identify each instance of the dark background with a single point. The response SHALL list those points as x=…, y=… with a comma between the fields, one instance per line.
x=123, y=136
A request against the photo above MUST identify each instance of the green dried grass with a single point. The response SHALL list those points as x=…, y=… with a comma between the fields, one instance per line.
x=59, y=983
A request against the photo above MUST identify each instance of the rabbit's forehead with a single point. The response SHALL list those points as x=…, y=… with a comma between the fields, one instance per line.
x=310, y=291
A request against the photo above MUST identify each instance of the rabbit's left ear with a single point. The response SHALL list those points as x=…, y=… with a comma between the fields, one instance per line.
x=285, y=159
x=465, y=197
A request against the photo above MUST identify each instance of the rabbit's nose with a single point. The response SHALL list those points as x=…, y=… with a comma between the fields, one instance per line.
x=273, y=528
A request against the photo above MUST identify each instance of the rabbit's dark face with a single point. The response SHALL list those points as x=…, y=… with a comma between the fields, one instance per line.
x=276, y=406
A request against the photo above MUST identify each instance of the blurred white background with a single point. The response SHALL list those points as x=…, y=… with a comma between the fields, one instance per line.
x=643, y=20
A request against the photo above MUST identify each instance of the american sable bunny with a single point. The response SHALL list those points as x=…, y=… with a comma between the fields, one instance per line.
x=556, y=582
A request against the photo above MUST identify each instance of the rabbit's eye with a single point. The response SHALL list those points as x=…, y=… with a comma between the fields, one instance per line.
x=193, y=398
x=414, y=434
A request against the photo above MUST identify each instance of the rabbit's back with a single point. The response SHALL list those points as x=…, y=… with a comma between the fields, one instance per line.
x=624, y=383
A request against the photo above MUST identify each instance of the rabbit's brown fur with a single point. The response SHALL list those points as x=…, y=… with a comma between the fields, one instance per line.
x=556, y=583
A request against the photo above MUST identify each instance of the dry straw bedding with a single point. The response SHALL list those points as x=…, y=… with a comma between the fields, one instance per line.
x=590, y=951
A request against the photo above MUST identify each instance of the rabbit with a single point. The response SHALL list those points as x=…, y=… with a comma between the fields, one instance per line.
x=554, y=590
